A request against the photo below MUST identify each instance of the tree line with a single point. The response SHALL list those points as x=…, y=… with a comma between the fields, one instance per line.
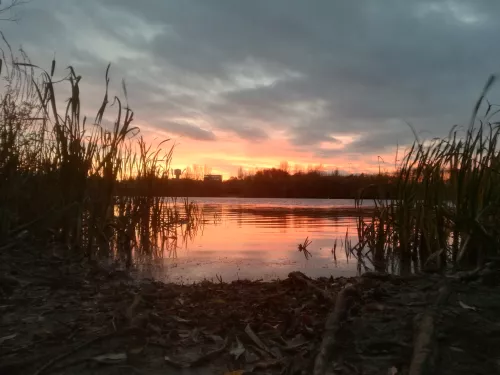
x=267, y=183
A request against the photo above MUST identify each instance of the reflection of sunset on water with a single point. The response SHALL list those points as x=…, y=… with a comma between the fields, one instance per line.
x=260, y=239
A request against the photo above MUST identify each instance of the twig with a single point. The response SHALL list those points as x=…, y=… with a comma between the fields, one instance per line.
x=257, y=340
x=424, y=357
x=332, y=326
x=303, y=248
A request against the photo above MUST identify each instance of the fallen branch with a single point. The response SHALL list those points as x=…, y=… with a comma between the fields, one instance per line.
x=424, y=356
x=332, y=326
x=323, y=294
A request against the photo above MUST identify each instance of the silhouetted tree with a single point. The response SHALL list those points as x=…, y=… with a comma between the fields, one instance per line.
x=7, y=9
x=274, y=183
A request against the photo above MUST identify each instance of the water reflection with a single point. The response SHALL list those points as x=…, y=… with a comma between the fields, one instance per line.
x=258, y=239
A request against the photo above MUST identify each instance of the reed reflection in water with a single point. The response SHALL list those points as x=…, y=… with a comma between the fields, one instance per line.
x=258, y=239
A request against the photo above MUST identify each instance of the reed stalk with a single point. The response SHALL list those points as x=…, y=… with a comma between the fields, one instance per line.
x=445, y=206
x=59, y=171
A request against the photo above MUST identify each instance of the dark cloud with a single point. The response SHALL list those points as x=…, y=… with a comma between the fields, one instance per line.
x=190, y=131
x=373, y=142
x=312, y=70
x=312, y=135
x=249, y=133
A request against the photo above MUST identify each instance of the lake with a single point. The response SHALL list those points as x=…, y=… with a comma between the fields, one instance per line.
x=252, y=238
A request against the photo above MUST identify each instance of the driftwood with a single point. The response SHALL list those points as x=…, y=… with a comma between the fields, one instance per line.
x=332, y=326
x=321, y=293
x=424, y=350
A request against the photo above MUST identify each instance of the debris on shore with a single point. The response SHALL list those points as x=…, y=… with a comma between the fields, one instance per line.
x=62, y=316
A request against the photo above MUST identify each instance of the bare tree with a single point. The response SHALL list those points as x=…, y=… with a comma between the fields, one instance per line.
x=188, y=174
x=7, y=9
x=241, y=173
x=197, y=172
x=207, y=170
x=284, y=166
x=298, y=169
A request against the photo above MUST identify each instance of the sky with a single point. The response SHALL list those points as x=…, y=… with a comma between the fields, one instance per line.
x=252, y=83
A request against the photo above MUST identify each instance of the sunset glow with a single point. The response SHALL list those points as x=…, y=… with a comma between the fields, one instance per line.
x=249, y=186
x=315, y=90
x=230, y=152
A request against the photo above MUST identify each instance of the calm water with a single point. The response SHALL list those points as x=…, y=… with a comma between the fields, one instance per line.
x=258, y=239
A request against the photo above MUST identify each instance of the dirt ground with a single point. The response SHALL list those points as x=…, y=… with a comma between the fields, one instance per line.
x=64, y=316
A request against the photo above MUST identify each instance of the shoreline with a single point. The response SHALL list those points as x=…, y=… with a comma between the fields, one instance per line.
x=62, y=314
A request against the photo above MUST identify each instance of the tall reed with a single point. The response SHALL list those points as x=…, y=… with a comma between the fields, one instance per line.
x=59, y=171
x=445, y=206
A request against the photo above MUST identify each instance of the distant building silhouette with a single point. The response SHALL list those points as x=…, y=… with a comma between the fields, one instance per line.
x=213, y=177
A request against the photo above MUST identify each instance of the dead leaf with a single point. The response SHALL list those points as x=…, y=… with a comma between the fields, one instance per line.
x=135, y=355
x=130, y=312
x=5, y=338
x=154, y=328
x=277, y=352
x=392, y=371
x=175, y=363
x=195, y=335
x=250, y=357
x=308, y=329
x=136, y=351
x=197, y=361
x=264, y=365
x=111, y=358
x=257, y=340
x=33, y=319
x=179, y=319
x=375, y=307
x=184, y=334
x=238, y=350
x=467, y=307
x=215, y=338
x=297, y=341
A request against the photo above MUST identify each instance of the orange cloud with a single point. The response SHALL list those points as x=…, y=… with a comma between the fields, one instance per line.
x=228, y=152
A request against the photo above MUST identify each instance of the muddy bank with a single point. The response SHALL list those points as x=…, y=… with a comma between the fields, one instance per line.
x=61, y=315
